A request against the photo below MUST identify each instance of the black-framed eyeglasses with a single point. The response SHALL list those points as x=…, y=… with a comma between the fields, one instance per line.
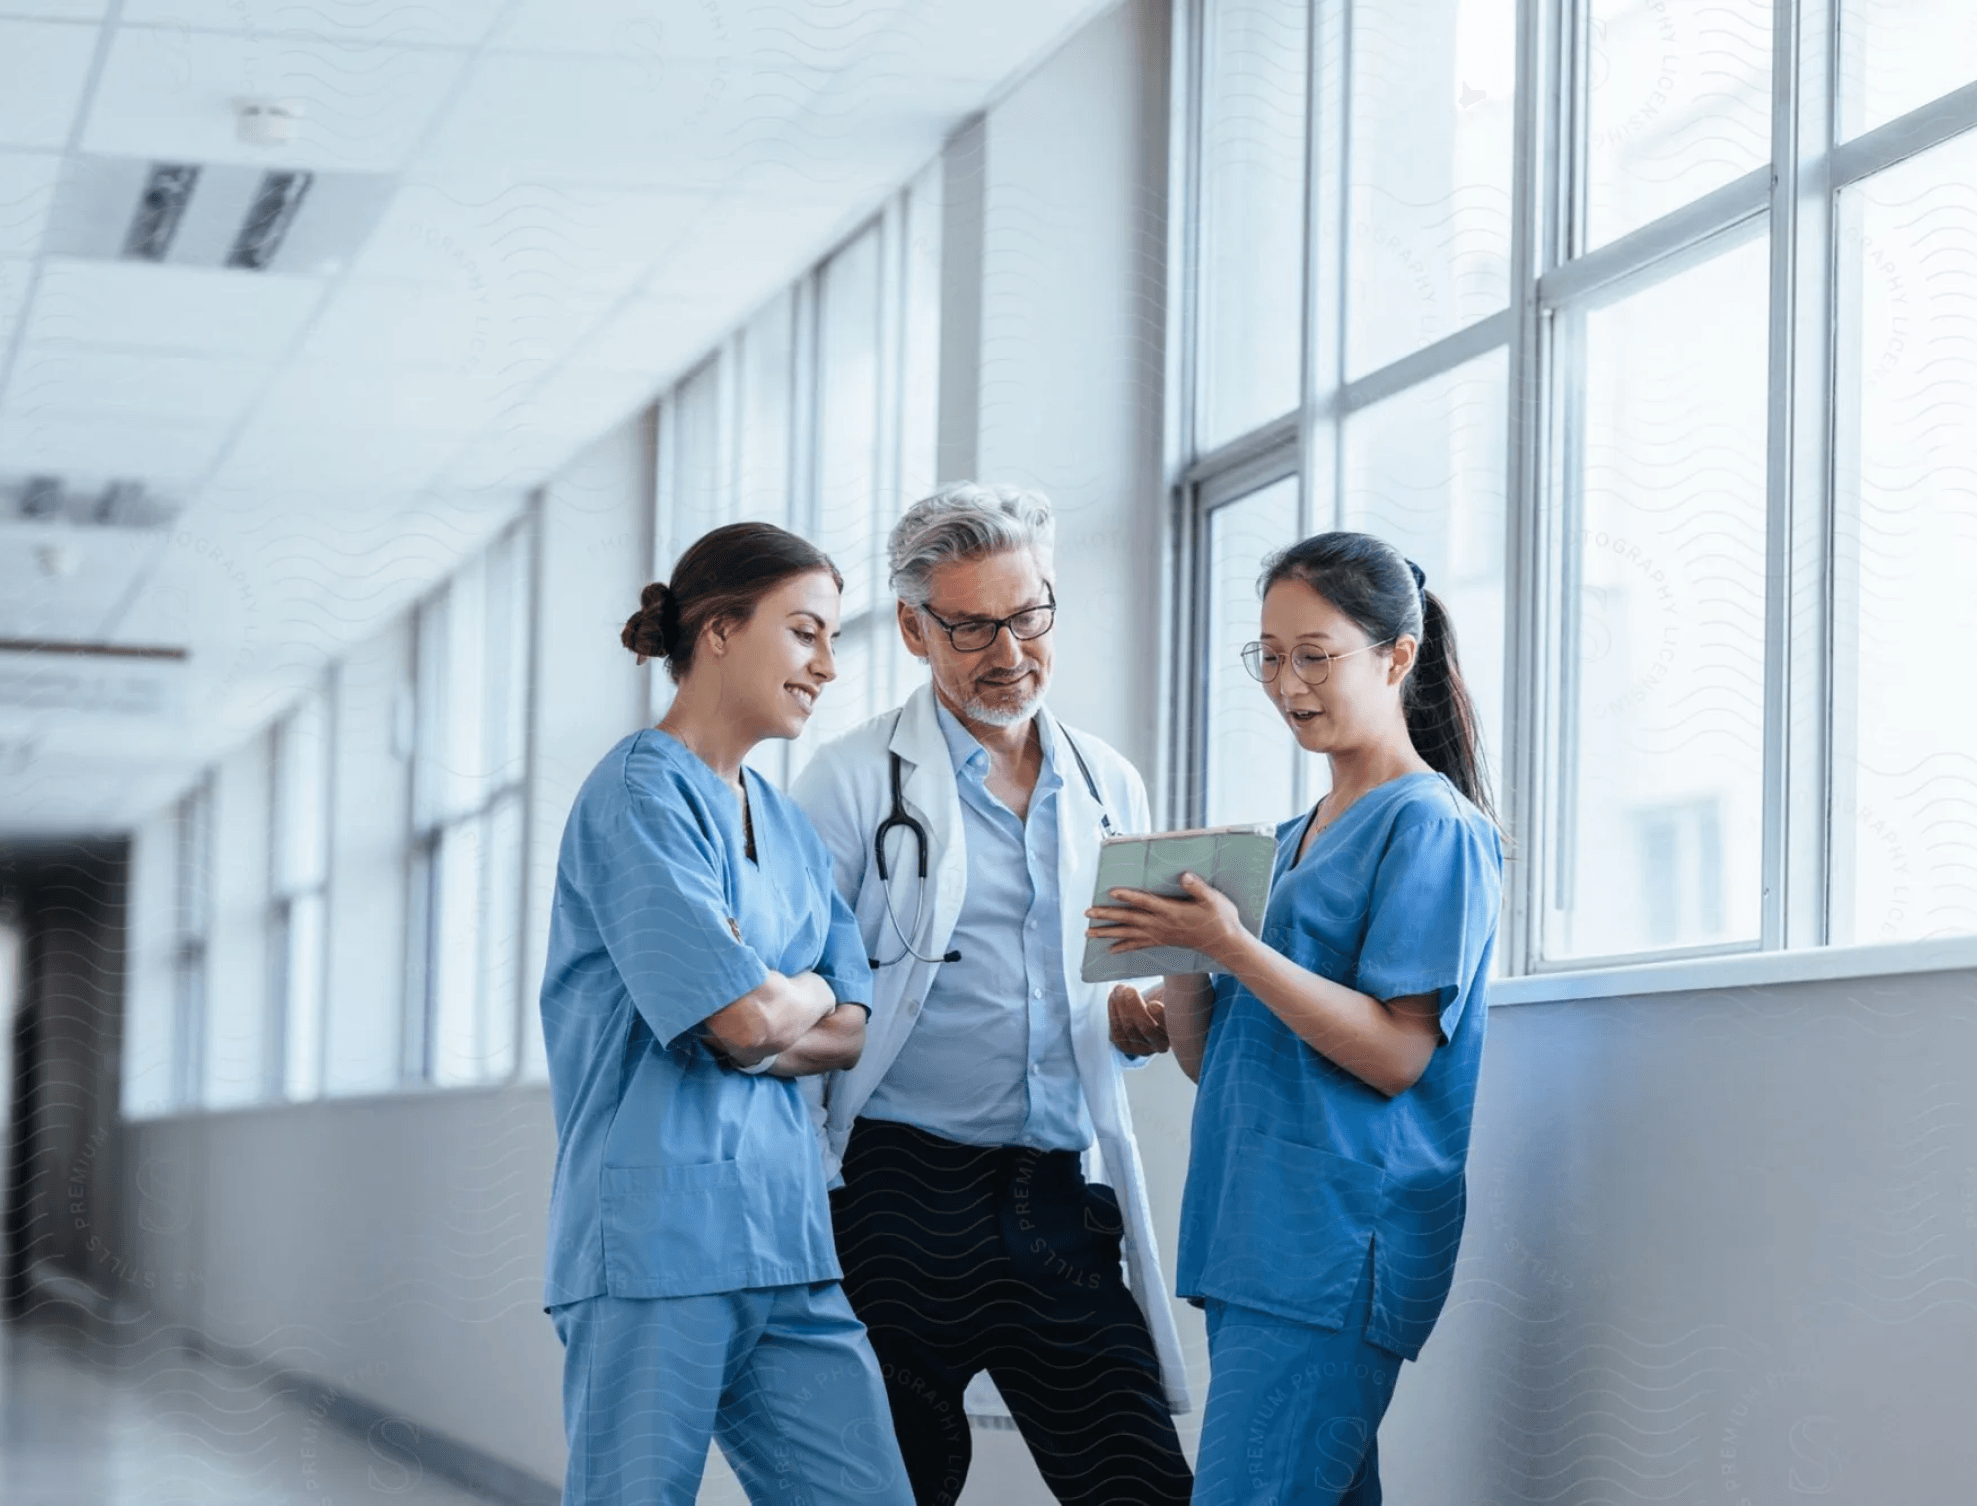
x=1311, y=665
x=977, y=633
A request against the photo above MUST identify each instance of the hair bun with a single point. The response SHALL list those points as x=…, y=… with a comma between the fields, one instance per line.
x=648, y=631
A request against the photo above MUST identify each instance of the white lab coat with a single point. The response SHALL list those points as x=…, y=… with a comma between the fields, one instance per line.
x=846, y=791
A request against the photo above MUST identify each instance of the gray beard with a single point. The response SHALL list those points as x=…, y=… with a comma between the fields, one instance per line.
x=1002, y=716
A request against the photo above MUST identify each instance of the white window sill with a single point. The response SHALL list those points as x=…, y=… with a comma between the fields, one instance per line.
x=1743, y=970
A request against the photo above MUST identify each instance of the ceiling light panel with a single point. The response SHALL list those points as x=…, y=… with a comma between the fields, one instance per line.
x=47, y=64
x=62, y=503
x=101, y=202
x=427, y=23
x=692, y=124
x=137, y=306
x=363, y=104
x=27, y=190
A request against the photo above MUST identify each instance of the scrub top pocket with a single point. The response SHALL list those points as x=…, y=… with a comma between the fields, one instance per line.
x=1294, y=1198
x=673, y=1231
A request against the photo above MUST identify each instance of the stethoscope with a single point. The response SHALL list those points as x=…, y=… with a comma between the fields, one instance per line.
x=901, y=819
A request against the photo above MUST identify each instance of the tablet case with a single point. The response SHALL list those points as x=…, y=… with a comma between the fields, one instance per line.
x=1235, y=859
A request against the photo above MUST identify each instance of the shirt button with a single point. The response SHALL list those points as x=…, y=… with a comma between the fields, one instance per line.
x=1036, y=993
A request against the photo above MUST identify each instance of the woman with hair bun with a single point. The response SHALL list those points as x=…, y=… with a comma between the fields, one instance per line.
x=1337, y=1053
x=700, y=961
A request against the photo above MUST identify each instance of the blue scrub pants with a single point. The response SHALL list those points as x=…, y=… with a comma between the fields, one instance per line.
x=781, y=1376
x=1293, y=1409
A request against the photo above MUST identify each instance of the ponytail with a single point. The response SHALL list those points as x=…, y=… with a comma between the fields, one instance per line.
x=1441, y=717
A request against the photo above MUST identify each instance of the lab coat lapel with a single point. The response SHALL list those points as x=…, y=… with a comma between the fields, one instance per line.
x=929, y=791
x=1078, y=836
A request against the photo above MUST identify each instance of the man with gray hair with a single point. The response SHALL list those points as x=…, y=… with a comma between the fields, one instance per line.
x=992, y=1218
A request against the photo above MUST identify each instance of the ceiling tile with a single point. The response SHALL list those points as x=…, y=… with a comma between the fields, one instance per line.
x=47, y=63
x=986, y=43
x=611, y=120
x=746, y=35
x=655, y=337
x=513, y=458
x=80, y=379
x=452, y=23
x=35, y=603
x=14, y=278
x=324, y=461
x=27, y=189
x=397, y=321
x=346, y=397
x=103, y=442
x=59, y=10
x=513, y=277
x=133, y=305
x=745, y=248
x=484, y=234
x=172, y=95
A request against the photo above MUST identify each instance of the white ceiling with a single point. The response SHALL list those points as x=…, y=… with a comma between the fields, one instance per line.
x=583, y=195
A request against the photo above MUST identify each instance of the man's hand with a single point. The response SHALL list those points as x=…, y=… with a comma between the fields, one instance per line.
x=1139, y=1024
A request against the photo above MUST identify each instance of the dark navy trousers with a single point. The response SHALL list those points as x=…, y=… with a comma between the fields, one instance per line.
x=963, y=1258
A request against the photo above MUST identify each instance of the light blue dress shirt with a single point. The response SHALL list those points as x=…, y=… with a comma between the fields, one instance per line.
x=1297, y=1167
x=677, y=1176
x=990, y=1061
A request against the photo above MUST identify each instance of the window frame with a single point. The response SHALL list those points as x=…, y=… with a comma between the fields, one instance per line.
x=282, y=898
x=426, y=835
x=907, y=229
x=1794, y=198
x=192, y=926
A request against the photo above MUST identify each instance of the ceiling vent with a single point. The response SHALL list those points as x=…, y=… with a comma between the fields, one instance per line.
x=118, y=503
x=159, y=209
x=229, y=215
x=272, y=212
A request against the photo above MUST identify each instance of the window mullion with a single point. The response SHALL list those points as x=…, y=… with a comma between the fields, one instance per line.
x=1797, y=727
x=1326, y=145
x=1540, y=123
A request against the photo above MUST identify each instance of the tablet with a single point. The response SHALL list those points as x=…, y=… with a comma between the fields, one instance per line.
x=1235, y=859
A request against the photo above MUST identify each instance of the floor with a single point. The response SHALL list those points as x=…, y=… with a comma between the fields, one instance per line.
x=83, y=1424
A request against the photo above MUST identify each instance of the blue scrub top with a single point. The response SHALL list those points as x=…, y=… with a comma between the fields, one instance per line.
x=676, y=1176
x=1298, y=1167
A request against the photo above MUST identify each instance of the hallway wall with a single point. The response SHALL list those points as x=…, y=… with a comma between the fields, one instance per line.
x=1721, y=1246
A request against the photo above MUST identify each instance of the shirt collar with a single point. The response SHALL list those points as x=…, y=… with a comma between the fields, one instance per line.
x=968, y=753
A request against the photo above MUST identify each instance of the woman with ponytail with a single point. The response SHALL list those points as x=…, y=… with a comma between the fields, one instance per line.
x=1337, y=1053
x=700, y=961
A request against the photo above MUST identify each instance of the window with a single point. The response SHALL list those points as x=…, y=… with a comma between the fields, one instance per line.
x=818, y=415
x=470, y=694
x=1244, y=782
x=1252, y=184
x=297, y=908
x=1642, y=326
x=192, y=924
x=1905, y=754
